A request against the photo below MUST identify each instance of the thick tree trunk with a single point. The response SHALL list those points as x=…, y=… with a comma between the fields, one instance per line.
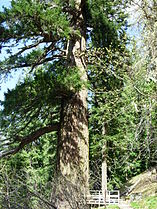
x=73, y=146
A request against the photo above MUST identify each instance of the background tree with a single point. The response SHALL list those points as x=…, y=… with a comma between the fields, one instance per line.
x=128, y=106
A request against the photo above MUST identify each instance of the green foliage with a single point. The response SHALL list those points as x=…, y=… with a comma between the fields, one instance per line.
x=37, y=99
x=30, y=18
x=122, y=90
x=123, y=98
x=108, y=20
x=147, y=203
x=112, y=207
x=26, y=172
x=107, y=83
x=123, y=93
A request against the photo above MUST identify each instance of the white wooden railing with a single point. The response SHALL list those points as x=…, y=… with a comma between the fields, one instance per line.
x=97, y=198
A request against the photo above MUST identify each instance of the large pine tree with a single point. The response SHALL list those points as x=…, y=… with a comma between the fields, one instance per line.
x=49, y=39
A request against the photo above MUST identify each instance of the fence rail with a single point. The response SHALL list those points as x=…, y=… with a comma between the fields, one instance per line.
x=96, y=197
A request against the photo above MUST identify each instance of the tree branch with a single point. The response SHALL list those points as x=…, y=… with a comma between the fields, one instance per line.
x=34, y=64
x=23, y=49
x=30, y=138
x=43, y=199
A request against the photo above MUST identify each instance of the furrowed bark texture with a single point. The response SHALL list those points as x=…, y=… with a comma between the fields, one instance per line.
x=73, y=146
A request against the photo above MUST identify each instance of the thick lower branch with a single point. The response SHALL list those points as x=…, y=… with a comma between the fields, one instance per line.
x=30, y=138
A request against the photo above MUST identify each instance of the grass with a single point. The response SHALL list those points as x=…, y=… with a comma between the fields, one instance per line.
x=147, y=203
x=110, y=207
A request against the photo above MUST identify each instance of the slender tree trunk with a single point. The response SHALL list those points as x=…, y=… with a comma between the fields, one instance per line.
x=104, y=166
x=73, y=146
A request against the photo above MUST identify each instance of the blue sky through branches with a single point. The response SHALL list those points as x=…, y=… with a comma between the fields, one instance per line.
x=5, y=3
x=13, y=78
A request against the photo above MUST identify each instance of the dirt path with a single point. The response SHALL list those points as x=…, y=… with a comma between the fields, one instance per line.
x=124, y=205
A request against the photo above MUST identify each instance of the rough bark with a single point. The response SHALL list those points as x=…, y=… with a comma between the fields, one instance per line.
x=73, y=145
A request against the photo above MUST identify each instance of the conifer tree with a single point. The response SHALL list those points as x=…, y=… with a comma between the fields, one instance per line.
x=49, y=39
x=125, y=101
